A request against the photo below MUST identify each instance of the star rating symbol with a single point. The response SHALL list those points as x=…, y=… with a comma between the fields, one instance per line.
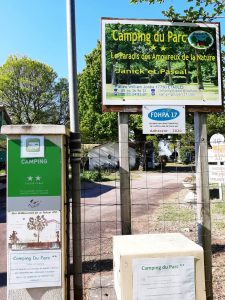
x=38, y=178
x=163, y=48
x=29, y=178
x=153, y=47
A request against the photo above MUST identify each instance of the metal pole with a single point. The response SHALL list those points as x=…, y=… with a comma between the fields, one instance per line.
x=72, y=65
x=203, y=201
x=75, y=151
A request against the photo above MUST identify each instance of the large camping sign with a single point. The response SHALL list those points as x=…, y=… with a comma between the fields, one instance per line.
x=151, y=62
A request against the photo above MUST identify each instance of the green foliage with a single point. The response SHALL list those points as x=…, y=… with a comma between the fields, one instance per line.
x=198, y=10
x=183, y=153
x=95, y=126
x=216, y=123
x=30, y=92
x=187, y=139
x=91, y=176
x=59, y=114
x=135, y=122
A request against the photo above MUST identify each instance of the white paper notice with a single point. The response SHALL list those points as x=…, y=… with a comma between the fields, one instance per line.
x=170, y=278
x=29, y=269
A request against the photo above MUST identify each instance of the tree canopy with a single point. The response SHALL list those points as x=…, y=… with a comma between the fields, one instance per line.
x=195, y=10
x=199, y=10
x=95, y=126
x=31, y=92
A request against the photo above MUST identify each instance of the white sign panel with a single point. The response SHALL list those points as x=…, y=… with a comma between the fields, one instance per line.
x=217, y=174
x=164, y=278
x=29, y=269
x=216, y=139
x=32, y=146
x=29, y=230
x=217, y=153
x=163, y=119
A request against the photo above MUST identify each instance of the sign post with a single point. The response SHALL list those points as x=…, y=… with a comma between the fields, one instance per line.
x=203, y=201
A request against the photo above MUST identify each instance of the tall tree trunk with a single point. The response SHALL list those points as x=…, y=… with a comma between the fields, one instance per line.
x=187, y=72
x=199, y=73
x=128, y=75
x=113, y=74
x=169, y=69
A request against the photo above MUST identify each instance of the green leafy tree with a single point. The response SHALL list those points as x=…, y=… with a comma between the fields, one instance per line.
x=216, y=124
x=95, y=126
x=196, y=9
x=30, y=92
x=203, y=10
x=59, y=113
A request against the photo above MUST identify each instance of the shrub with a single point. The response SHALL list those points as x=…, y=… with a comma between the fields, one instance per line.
x=187, y=154
x=194, y=79
x=91, y=176
x=179, y=79
x=214, y=80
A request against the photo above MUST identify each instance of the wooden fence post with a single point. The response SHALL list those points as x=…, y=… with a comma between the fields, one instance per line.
x=203, y=201
x=125, y=199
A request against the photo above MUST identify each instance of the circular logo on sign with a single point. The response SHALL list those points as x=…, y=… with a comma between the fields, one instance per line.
x=200, y=39
x=163, y=114
x=216, y=139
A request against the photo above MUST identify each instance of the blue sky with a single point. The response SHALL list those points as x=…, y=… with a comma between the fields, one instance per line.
x=37, y=28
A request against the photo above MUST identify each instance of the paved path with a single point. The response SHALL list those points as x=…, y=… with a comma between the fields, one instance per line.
x=101, y=202
x=101, y=220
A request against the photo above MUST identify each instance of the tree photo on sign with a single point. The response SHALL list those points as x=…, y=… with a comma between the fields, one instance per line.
x=37, y=224
x=146, y=60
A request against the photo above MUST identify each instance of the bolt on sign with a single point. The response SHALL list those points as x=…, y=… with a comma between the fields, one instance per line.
x=151, y=62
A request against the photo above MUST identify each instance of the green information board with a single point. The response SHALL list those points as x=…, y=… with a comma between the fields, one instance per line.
x=34, y=183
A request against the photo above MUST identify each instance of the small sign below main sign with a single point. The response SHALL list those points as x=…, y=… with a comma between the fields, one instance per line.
x=217, y=174
x=163, y=120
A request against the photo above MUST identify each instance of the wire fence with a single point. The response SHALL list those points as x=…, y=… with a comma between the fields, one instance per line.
x=163, y=199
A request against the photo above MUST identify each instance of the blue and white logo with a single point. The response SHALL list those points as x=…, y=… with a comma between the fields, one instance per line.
x=163, y=114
